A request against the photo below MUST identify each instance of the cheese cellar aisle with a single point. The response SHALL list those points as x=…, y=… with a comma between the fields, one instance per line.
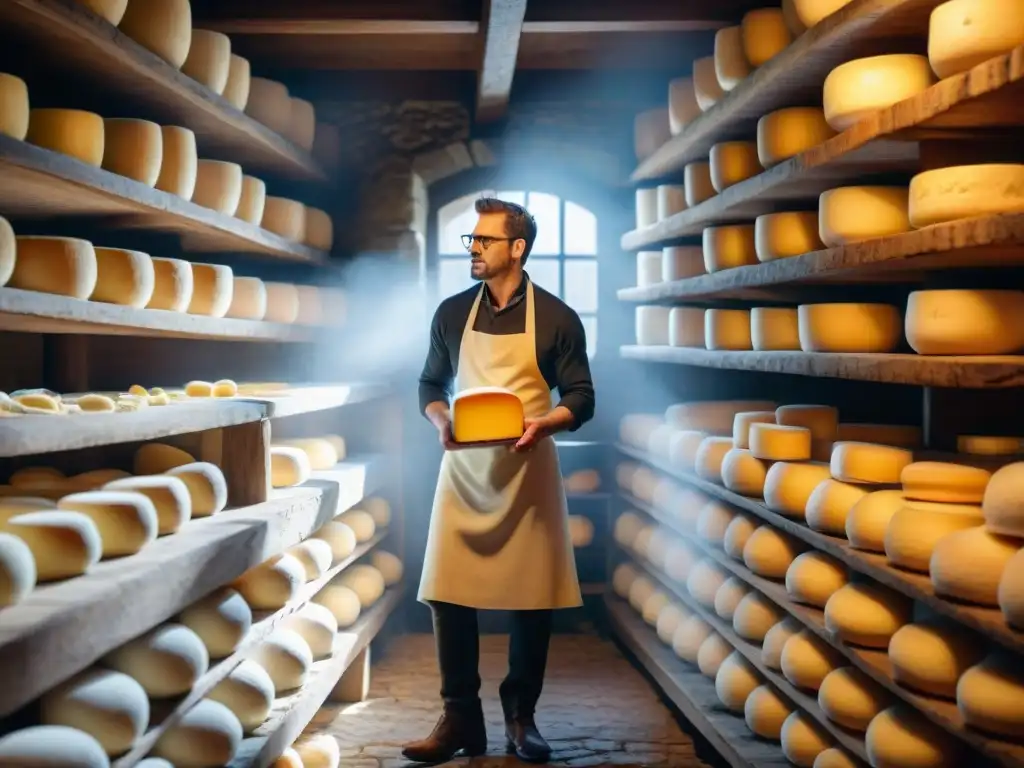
x=818, y=543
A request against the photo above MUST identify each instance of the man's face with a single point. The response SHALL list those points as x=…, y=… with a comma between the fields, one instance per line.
x=497, y=258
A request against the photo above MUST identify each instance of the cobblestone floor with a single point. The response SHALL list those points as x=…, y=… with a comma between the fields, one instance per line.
x=597, y=710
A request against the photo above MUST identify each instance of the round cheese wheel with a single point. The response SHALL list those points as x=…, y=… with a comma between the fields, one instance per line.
x=786, y=133
x=248, y=692
x=742, y=422
x=133, y=148
x=622, y=579
x=931, y=656
x=221, y=620
x=581, y=531
x=731, y=66
x=319, y=229
x=703, y=582
x=212, y=288
x=248, y=299
x=829, y=505
x=173, y=285
x=866, y=614
x=860, y=88
x=735, y=680
x=272, y=583
x=965, y=33
x=671, y=199
x=737, y=535
x=162, y=26
x=288, y=759
x=728, y=597
x=209, y=59
x=968, y=565
x=269, y=103
x=660, y=440
x=743, y=473
x=252, y=201
x=55, y=745
x=123, y=277
x=679, y=561
x=713, y=520
x=833, y=757
x=315, y=624
x=126, y=521
x=652, y=326
x=697, y=183
x=765, y=711
x=727, y=247
x=179, y=162
x=849, y=698
x=689, y=637
x=935, y=322
x=714, y=417
x=646, y=207
x=960, y=192
x=732, y=162
x=807, y=660
x=989, y=445
x=650, y=131
x=8, y=242
x=218, y=186
x=754, y=616
x=899, y=736
x=868, y=519
x=710, y=455
x=285, y=217
x=286, y=657
x=627, y=526
x=14, y=107
x=70, y=132
x=648, y=268
x=59, y=265
x=669, y=619
x=288, y=467
x=361, y=522
x=775, y=642
x=803, y=740
x=916, y=528
x=59, y=545
x=641, y=589
x=208, y=734
x=774, y=328
x=236, y=87
x=786, y=234
x=365, y=580
x=880, y=212
x=811, y=12
x=849, y=327
x=868, y=463
x=821, y=420
x=685, y=444
x=726, y=329
x=169, y=495
x=778, y=442
x=320, y=751
x=389, y=565
x=764, y=35
x=582, y=481
x=1011, y=591
x=813, y=577
x=165, y=661
x=770, y=552
x=206, y=484
x=706, y=87
x=315, y=555
x=679, y=262
x=1003, y=509
x=652, y=607
x=342, y=601
x=682, y=104
x=713, y=651
x=789, y=485
x=988, y=696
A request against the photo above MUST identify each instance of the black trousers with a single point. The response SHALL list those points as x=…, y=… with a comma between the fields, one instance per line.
x=457, y=636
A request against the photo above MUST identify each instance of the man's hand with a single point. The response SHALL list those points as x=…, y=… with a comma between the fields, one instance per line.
x=536, y=429
x=441, y=418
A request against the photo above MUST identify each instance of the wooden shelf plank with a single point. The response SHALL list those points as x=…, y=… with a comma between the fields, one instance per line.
x=87, y=48
x=307, y=399
x=692, y=693
x=874, y=663
x=794, y=77
x=291, y=714
x=63, y=627
x=33, y=312
x=989, y=241
x=793, y=184
x=36, y=182
x=987, y=621
x=964, y=372
x=169, y=714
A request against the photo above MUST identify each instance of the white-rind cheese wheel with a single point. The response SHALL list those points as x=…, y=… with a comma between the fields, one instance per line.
x=71, y=132
x=320, y=452
x=162, y=26
x=252, y=201
x=14, y=107
x=173, y=285
x=212, y=290
x=361, y=522
x=728, y=247
x=774, y=328
x=686, y=327
x=272, y=583
x=967, y=565
x=813, y=577
x=775, y=642
x=55, y=745
x=302, y=124
x=285, y=217
x=803, y=740
x=765, y=711
x=652, y=607
x=126, y=521
x=206, y=484
x=639, y=592
x=648, y=268
x=778, y=442
x=1002, y=503
x=697, y=181
x=650, y=131
x=166, y=661
x=8, y=242
x=646, y=207
x=236, y=89
x=391, y=567
x=288, y=467
x=704, y=581
x=729, y=596
x=340, y=601
x=109, y=706
x=17, y=569
x=179, y=164
x=320, y=751
x=733, y=161
x=133, y=149
x=221, y=620
x=868, y=463
x=683, y=448
x=339, y=536
x=829, y=505
x=868, y=519
x=807, y=660
x=737, y=535
x=582, y=481
x=867, y=328
x=744, y=473
x=848, y=697
x=713, y=651
x=786, y=133
x=248, y=299
x=965, y=322
x=899, y=736
x=315, y=624
x=365, y=580
x=930, y=657
x=682, y=104
x=764, y=35
x=218, y=186
x=679, y=560
x=731, y=65
x=679, y=262
x=689, y=637
x=209, y=59
x=961, y=192
x=652, y=325
x=964, y=33
x=319, y=229
x=727, y=329
x=786, y=234
x=269, y=103
x=789, y=485
x=286, y=657
x=61, y=545
x=770, y=552
x=853, y=214
x=169, y=495
x=157, y=458
x=671, y=199
x=208, y=734
x=710, y=455
x=755, y=616
x=315, y=555
x=63, y=266
x=988, y=696
x=713, y=520
x=735, y=680
x=248, y=692
x=669, y=619
x=866, y=614
x=706, y=87
x=123, y=277
x=714, y=417
x=944, y=482
x=862, y=87
x=743, y=421
x=282, y=302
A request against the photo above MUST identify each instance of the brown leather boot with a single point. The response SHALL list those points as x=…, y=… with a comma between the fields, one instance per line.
x=457, y=730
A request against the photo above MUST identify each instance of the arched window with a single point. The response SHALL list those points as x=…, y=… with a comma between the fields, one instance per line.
x=563, y=260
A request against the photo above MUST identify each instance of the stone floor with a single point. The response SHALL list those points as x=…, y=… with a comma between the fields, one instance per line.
x=597, y=710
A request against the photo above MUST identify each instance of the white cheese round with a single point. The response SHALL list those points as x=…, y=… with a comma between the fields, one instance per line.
x=961, y=192
x=165, y=661
x=248, y=692
x=222, y=619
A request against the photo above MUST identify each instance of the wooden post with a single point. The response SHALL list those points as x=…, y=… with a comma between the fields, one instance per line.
x=354, y=685
x=66, y=363
x=245, y=461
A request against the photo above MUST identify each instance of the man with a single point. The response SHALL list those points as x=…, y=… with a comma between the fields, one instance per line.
x=499, y=529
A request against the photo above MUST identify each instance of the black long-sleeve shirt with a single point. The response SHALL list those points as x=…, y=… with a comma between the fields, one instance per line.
x=561, y=346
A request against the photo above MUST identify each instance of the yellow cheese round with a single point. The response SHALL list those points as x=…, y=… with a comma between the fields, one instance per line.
x=623, y=577
x=341, y=601
x=931, y=656
x=868, y=519
x=652, y=607
x=704, y=580
x=288, y=467
x=222, y=619
x=849, y=698
x=733, y=161
x=764, y=35
x=735, y=680
x=641, y=589
x=652, y=325
x=869, y=463
x=728, y=597
x=282, y=302
x=236, y=88
x=854, y=214
x=17, y=566
x=769, y=552
x=671, y=199
x=208, y=734
x=209, y=59
x=285, y=217
x=731, y=65
x=218, y=186
x=728, y=247
x=390, y=566
x=166, y=661
x=288, y=759
x=669, y=620
x=813, y=577
x=754, y=617
x=126, y=521
x=866, y=614
x=311, y=309
x=967, y=565
x=803, y=740
x=961, y=192
x=14, y=107
x=689, y=637
x=61, y=544
x=737, y=535
x=248, y=299
x=706, y=87
x=320, y=452
x=206, y=484
x=821, y=420
x=248, y=692
x=782, y=235
x=319, y=229
x=133, y=148
x=179, y=163
x=60, y=265
x=682, y=104
x=788, y=486
x=899, y=736
x=650, y=132
x=775, y=642
x=965, y=33
x=272, y=583
x=807, y=660
x=627, y=526
x=744, y=473
x=1002, y=506
x=162, y=26
x=697, y=182
x=765, y=711
x=679, y=262
x=786, y=133
x=965, y=322
x=726, y=329
x=777, y=442
x=944, y=482
x=212, y=289
x=883, y=434
x=173, y=285
x=988, y=696
x=710, y=455
x=361, y=522
x=829, y=505
x=169, y=495
x=252, y=201
x=646, y=207
x=860, y=88
x=68, y=131
x=302, y=124
x=989, y=445
x=867, y=328
x=742, y=422
x=713, y=520
x=52, y=745
x=366, y=581
x=686, y=327
x=713, y=651
x=157, y=458
x=833, y=757
x=123, y=277
x=269, y=103
x=774, y=328
x=582, y=481
x=811, y=12
x=109, y=706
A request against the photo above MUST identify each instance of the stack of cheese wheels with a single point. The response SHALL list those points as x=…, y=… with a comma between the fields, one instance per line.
x=650, y=131
x=790, y=483
x=646, y=207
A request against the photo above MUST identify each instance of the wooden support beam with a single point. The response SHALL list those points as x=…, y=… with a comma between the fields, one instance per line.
x=501, y=26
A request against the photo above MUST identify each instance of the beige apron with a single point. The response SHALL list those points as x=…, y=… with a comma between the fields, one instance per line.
x=499, y=528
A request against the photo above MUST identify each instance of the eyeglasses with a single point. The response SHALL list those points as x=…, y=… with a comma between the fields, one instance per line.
x=485, y=241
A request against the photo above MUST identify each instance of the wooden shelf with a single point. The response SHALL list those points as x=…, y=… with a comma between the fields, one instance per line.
x=796, y=76
x=989, y=241
x=793, y=184
x=122, y=598
x=692, y=693
x=263, y=624
x=87, y=48
x=965, y=372
x=988, y=621
x=37, y=183
x=307, y=399
x=874, y=663
x=291, y=714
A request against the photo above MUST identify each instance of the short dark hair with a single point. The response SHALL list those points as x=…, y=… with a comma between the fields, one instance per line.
x=519, y=222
